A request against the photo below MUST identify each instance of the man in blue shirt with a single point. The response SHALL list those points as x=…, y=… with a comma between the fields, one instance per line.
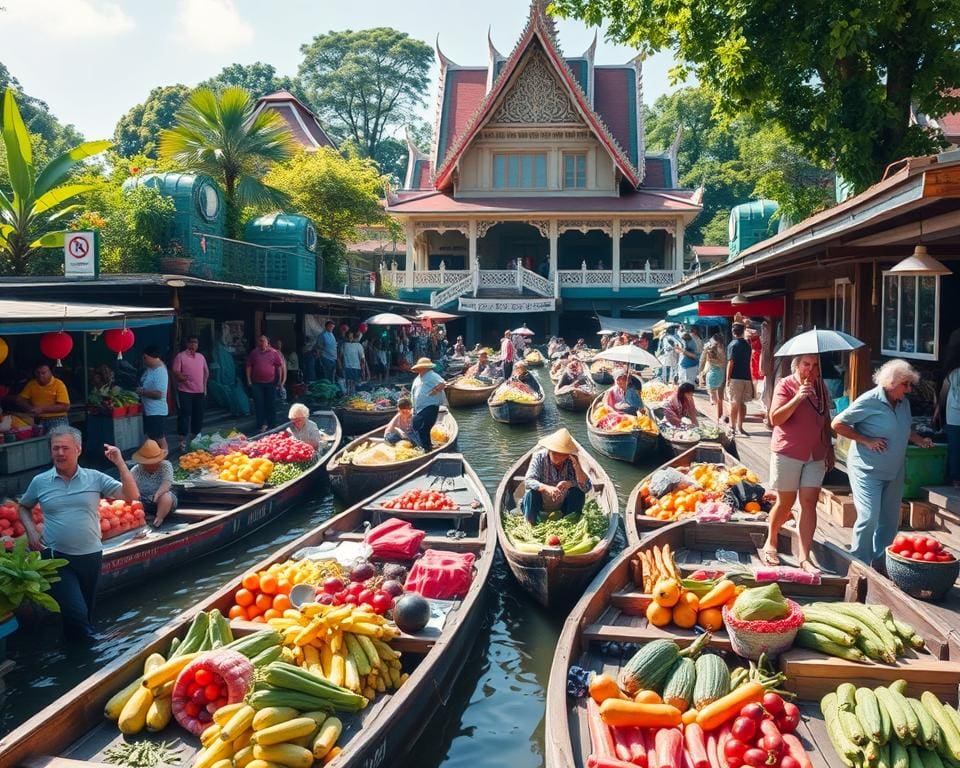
x=327, y=344
x=427, y=395
x=555, y=479
x=154, y=383
x=70, y=497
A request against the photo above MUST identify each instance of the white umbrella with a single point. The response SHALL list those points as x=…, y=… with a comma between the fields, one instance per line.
x=524, y=331
x=816, y=341
x=605, y=333
x=628, y=353
x=387, y=318
x=439, y=317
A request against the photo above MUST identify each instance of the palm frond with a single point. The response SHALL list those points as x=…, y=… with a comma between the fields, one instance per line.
x=250, y=191
x=59, y=195
x=16, y=140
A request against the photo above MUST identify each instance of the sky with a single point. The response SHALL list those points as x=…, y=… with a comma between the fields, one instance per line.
x=91, y=60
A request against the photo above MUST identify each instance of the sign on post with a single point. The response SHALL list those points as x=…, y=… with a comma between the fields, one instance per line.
x=80, y=254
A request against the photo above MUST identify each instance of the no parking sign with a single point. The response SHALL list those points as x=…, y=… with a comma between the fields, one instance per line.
x=80, y=254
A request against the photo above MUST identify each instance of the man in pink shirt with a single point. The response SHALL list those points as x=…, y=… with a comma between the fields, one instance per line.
x=506, y=355
x=265, y=372
x=191, y=373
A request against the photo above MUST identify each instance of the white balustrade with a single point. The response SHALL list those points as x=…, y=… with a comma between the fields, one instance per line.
x=454, y=291
x=650, y=278
x=536, y=283
x=498, y=278
x=438, y=278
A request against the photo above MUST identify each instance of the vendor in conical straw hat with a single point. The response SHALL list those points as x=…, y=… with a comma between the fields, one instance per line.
x=153, y=475
x=555, y=479
x=427, y=395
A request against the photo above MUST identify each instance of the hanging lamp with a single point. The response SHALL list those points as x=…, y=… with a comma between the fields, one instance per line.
x=921, y=264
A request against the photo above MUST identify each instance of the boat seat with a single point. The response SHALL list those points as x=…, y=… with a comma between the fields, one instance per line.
x=620, y=633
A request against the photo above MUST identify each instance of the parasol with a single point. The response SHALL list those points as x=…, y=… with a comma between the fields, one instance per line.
x=817, y=341
x=628, y=353
x=387, y=318
x=523, y=331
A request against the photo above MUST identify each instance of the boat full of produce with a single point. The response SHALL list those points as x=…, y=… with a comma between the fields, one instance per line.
x=368, y=463
x=332, y=650
x=622, y=436
x=468, y=391
x=513, y=402
x=367, y=410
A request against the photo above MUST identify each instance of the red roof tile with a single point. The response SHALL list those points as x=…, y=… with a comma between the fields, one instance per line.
x=463, y=92
x=614, y=99
x=426, y=175
x=302, y=122
x=950, y=124
x=709, y=251
x=633, y=202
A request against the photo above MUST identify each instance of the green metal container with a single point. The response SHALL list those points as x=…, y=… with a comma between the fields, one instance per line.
x=287, y=250
x=924, y=467
x=750, y=223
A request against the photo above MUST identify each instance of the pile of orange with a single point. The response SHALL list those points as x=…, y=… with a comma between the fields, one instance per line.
x=261, y=597
x=675, y=505
x=672, y=604
x=239, y=468
x=707, y=483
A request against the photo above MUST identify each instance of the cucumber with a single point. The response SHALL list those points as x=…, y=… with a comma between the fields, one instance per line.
x=930, y=759
x=886, y=724
x=852, y=728
x=948, y=719
x=816, y=642
x=899, y=685
x=868, y=713
x=846, y=749
x=218, y=632
x=899, y=757
x=195, y=638
x=913, y=722
x=255, y=643
x=832, y=634
x=915, y=761
x=929, y=730
x=824, y=615
x=273, y=653
x=847, y=697
x=898, y=718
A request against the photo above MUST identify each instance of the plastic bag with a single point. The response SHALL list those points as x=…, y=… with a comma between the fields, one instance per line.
x=666, y=480
x=394, y=539
x=442, y=575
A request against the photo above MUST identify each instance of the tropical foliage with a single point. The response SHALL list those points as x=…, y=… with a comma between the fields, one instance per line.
x=258, y=78
x=38, y=198
x=138, y=131
x=840, y=77
x=218, y=134
x=340, y=194
x=366, y=83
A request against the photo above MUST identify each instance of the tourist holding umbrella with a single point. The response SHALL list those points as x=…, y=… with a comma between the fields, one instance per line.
x=878, y=424
x=427, y=395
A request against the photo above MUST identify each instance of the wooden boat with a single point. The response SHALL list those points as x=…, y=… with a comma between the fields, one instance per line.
x=357, y=422
x=549, y=576
x=534, y=359
x=352, y=482
x=509, y=412
x=612, y=611
x=601, y=371
x=633, y=446
x=208, y=520
x=574, y=398
x=635, y=522
x=679, y=447
x=466, y=397
x=381, y=733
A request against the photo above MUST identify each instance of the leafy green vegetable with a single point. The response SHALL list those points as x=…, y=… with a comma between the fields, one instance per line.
x=25, y=575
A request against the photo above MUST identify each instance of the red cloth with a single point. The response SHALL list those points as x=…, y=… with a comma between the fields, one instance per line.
x=394, y=540
x=441, y=575
x=756, y=347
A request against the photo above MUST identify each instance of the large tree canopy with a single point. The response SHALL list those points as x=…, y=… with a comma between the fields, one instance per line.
x=364, y=83
x=839, y=76
x=257, y=78
x=736, y=161
x=138, y=132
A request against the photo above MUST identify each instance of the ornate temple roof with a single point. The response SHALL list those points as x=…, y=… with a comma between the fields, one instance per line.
x=301, y=121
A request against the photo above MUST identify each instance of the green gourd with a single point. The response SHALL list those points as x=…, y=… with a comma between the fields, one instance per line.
x=713, y=680
x=678, y=689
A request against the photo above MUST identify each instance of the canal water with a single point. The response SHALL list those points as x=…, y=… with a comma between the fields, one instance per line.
x=494, y=715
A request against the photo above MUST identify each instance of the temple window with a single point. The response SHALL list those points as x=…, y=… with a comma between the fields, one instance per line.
x=911, y=316
x=520, y=170
x=574, y=171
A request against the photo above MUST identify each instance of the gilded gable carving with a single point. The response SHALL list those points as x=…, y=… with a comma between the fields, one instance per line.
x=536, y=97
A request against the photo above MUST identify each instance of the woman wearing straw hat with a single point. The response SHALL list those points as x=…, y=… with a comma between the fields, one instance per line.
x=154, y=477
x=427, y=395
x=555, y=479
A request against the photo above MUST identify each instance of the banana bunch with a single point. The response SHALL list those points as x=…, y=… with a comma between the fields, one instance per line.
x=344, y=644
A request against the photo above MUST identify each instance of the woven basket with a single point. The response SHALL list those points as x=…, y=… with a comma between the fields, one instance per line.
x=920, y=579
x=750, y=639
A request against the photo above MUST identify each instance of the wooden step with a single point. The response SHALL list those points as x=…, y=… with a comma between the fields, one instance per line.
x=947, y=499
x=618, y=633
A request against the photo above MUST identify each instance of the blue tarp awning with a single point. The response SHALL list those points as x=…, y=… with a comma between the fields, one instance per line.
x=690, y=313
x=20, y=317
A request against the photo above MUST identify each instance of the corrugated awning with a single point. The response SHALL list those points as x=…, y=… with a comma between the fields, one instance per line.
x=19, y=317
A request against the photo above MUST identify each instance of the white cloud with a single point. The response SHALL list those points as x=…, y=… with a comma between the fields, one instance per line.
x=212, y=25
x=71, y=19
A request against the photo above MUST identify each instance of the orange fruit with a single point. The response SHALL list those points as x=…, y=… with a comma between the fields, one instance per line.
x=251, y=581
x=244, y=597
x=752, y=506
x=268, y=584
x=238, y=612
x=666, y=593
x=284, y=586
x=264, y=601
x=281, y=602
x=253, y=612
x=684, y=615
x=271, y=613
x=658, y=615
x=258, y=620
x=710, y=619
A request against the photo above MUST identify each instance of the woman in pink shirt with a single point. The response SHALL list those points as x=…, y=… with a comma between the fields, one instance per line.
x=191, y=374
x=801, y=453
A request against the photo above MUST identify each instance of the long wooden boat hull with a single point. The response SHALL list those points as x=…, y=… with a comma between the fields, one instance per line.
x=603, y=377
x=633, y=447
x=190, y=535
x=574, y=398
x=468, y=397
x=550, y=577
x=378, y=736
x=635, y=522
x=353, y=482
x=510, y=412
x=355, y=422
x=610, y=612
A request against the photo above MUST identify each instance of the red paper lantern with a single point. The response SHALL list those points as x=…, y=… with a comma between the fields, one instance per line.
x=119, y=340
x=56, y=345
x=362, y=327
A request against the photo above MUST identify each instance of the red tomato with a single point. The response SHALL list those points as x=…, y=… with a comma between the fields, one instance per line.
x=211, y=692
x=382, y=602
x=366, y=596
x=917, y=556
x=900, y=539
x=192, y=709
x=203, y=677
x=930, y=557
x=744, y=729
x=773, y=704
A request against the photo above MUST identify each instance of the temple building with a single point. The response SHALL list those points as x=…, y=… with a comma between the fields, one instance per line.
x=537, y=199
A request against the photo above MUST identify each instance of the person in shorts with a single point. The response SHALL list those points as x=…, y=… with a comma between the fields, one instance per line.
x=739, y=382
x=801, y=453
x=153, y=475
x=354, y=363
x=154, y=383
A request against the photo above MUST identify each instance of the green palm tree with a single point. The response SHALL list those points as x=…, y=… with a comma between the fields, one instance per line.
x=36, y=201
x=217, y=134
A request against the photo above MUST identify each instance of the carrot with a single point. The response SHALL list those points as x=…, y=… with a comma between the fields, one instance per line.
x=669, y=746
x=796, y=751
x=712, y=750
x=621, y=742
x=726, y=707
x=600, y=736
x=695, y=741
x=625, y=712
x=722, y=591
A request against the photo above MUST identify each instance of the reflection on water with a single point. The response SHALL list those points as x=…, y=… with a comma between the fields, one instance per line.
x=494, y=714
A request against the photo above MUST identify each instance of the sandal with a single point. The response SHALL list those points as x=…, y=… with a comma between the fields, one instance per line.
x=809, y=566
x=770, y=557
